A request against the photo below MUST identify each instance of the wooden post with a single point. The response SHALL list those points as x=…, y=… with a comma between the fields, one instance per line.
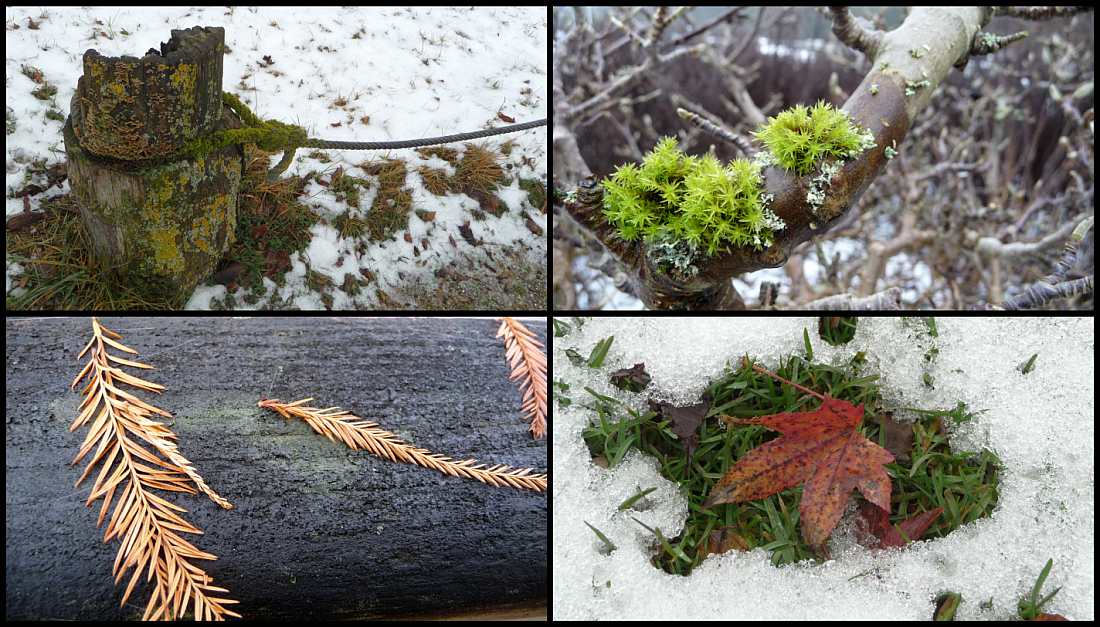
x=160, y=219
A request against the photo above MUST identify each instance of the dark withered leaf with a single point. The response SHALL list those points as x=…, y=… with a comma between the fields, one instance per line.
x=898, y=436
x=636, y=375
x=684, y=421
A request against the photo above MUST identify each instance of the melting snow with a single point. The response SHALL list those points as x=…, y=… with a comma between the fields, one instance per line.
x=1040, y=425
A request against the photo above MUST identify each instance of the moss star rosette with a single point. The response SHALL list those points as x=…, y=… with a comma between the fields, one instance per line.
x=799, y=138
x=684, y=206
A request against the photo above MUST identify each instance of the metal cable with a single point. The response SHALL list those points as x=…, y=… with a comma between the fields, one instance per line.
x=288, y=154
x=416, y=143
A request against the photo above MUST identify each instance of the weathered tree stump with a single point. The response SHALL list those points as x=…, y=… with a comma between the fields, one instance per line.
x=160, y=219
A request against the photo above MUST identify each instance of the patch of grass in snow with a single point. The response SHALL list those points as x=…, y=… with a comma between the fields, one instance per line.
x=964, y=484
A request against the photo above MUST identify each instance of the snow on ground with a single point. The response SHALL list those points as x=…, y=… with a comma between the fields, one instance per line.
x=416, y=72
x=1041, y=425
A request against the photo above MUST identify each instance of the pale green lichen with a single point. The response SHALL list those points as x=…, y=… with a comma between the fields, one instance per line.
x=911, y=87
x=670, y=253
x=815, y=196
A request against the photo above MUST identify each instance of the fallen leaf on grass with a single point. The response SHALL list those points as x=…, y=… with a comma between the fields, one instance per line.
x=725, y=539
x=898, y=437
x=874, y=531
x=637, y=374
x=823, y=448
x=684, y=421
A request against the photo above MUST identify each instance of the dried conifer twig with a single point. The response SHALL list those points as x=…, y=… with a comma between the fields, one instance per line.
x=356, y=432
x=142, y=520
x=529, y=366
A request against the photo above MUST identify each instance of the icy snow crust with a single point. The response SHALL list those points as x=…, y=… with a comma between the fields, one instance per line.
x=1040, y=425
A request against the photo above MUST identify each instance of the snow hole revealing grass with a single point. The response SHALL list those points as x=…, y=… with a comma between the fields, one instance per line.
x=1012, y=466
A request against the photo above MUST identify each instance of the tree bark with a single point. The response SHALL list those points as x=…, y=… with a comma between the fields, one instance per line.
x=316, y=529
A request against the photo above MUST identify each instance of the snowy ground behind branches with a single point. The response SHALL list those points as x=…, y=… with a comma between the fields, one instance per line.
x=415, y=71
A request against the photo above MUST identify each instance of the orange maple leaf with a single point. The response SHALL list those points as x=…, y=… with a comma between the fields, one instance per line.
x=823, y=448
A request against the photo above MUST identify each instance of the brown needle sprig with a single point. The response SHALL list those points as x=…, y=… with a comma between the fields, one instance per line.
x=356, y=432
x=529, y=366
x=142, y=520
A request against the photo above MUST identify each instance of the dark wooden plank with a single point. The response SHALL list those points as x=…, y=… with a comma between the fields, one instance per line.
x=317, y=530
